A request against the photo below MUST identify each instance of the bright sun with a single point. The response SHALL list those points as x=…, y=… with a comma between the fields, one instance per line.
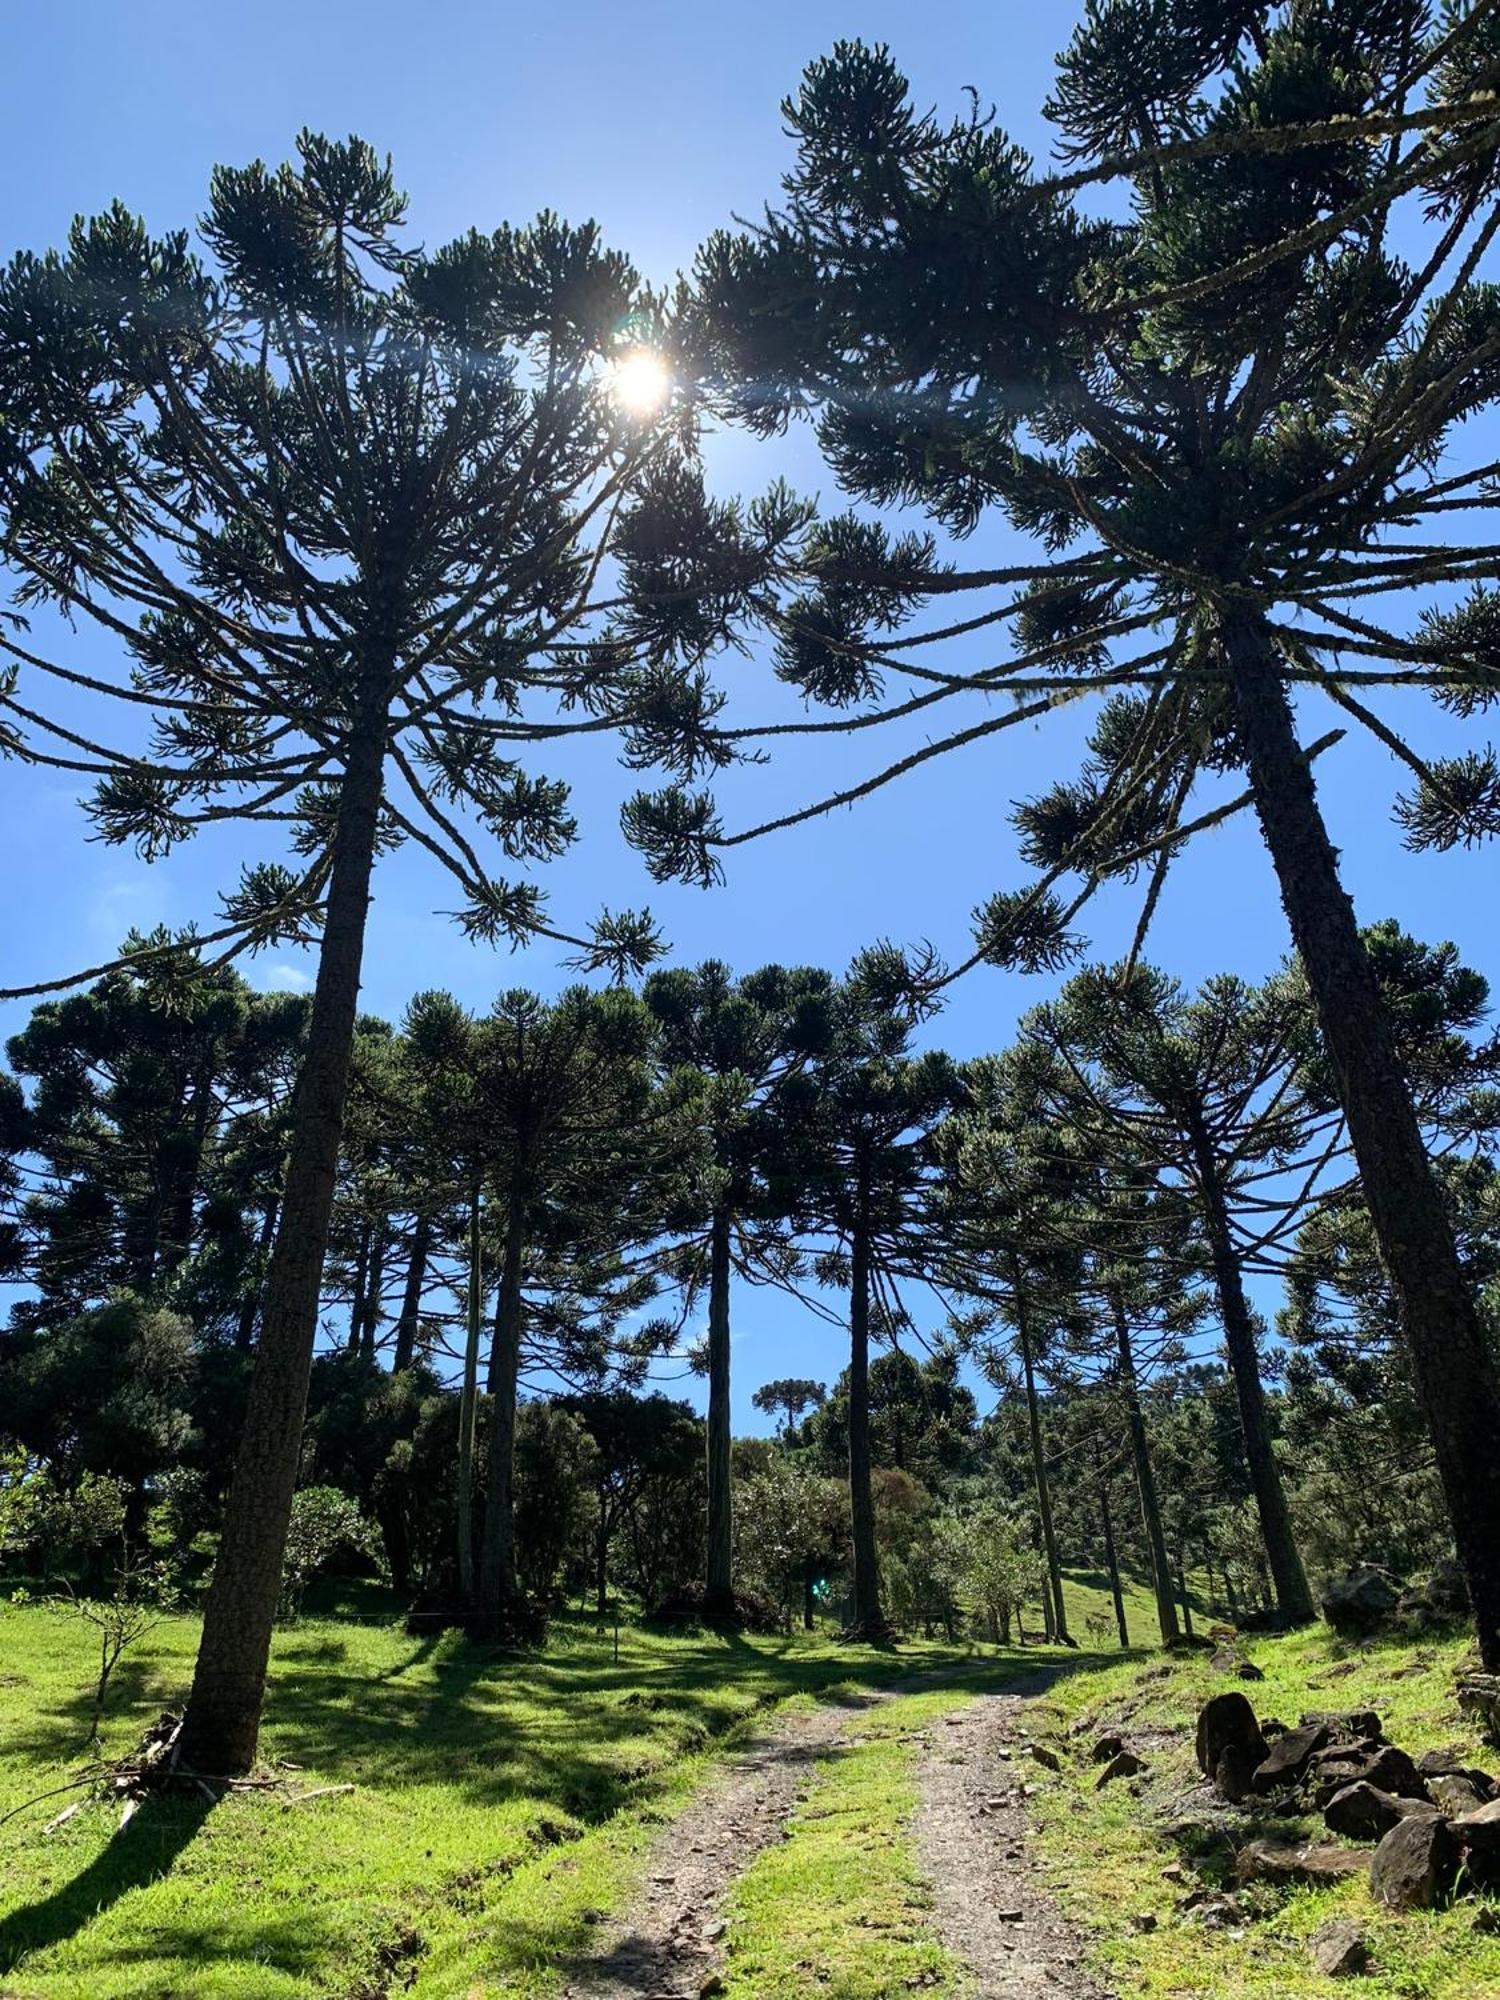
x=640, y=382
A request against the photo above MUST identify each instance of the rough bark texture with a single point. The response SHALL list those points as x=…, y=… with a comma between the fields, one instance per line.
x=1112, y=1564
x=720, y=1579
x=1451, y=1365
x=1145, y=1477
x=411, y=1297
x=868, y=1620
x=498, y=1586
x=222, y=1722
x=1053, y=1604
x=1293, y=1598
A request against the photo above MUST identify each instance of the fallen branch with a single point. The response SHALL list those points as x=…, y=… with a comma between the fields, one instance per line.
x=318, y=1792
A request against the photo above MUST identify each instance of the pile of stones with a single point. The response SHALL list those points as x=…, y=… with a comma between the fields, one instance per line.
x=1433, y=1821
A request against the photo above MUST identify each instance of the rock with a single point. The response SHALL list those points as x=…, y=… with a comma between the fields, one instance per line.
x=1107, y=1747
x=1227, y=1719
x=1442, y=1600
x=1487, y=1920
x=1451, y=1763
x=1272, y=1861
x=1456, y=1793
x=1125, y=1765
x=713, y=1984
x=1383, y=1766
x=1479, y=1696
x=1479, y=1831
x=1175, y=1871
x=1289, y=1756
x=1361, y=1600
x=1228, y=1661
x=1215, y=1913
x=1339, y=1949
x=1359, y=1725
x=1143, y=1920
x=1234, y=1775
x=1415, y=1864
x=1362, y=1811
x=1048, y=1759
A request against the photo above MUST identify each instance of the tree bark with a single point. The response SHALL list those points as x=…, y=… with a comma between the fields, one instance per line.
x=498, y=1585
x=1058, y=1619
x=374, y=1285
x=1145, y=1477
x=720, y=1579
x=468, y=1401
x=1182, y=1592
x=222, y=1722
x=1112, y=1564
x=411, y=1297
x=1293, y=1598
x=244, y=1333
x=1451, y=1365
x=360, y=1287
x=867, y=1620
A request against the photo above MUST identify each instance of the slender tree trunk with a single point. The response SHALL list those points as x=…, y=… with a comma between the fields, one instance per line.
x=601, y=1560
x=1451, y=1365
x=360, y=1288
x=868, y=1620
x=222, y=1722
x=1112, y=1564
x=1182, y=1592
x=809, y=1601
x=177, y=1239
x=411, y=1297
x=244, y=1333
x=1059, y=1614
x=370, y=1324
x=1293, y=1598
x=468, y=1402
x=720, y=1592
x=1145, y=1477
x=498, y=1587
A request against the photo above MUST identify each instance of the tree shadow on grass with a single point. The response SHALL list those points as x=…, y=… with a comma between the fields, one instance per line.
x=138, y=1855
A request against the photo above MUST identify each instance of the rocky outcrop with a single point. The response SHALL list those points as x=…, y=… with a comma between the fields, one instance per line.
x=1416, y=1864
x=1362, y=1811
x=1361, y=1600
x=1228, y=1722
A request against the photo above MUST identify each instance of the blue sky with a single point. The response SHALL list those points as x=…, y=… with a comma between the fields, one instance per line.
x=661, y=120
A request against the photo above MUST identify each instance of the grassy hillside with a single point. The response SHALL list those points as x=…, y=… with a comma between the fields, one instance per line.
x=489, y=1819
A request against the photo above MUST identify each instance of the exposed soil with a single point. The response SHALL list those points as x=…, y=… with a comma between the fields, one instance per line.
x=970, y=1832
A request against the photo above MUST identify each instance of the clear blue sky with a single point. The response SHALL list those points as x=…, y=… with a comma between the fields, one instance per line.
x=661, y=120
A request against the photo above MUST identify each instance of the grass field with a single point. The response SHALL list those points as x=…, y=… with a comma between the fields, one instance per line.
x=499, y=1805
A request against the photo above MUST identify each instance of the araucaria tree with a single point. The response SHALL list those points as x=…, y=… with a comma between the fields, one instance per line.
x=1220, y=414
x=363, y=521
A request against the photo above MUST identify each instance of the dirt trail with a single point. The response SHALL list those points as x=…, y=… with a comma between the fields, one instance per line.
x=970, y=1832
x=668, y=1947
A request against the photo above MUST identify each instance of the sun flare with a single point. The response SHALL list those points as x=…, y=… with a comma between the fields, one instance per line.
x=640, y=382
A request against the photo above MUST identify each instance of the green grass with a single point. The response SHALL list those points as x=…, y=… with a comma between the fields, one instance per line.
x=837, y=1909
x=499, y=1804
x=1105, y=1851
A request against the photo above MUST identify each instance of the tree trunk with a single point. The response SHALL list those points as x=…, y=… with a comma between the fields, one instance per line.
x=1058, y=1619
x=1451, y=1365
x=809, y=1599
x=1145, y=1477
x=187, y=1175
x=468, y=1402
x=498, y=1586
x=720, y=1591
x=411, y=1297
x=601, y=1560
x=370, y=1325
x=1293, y=1598
x=867, y=1620
x=222, y=1722
x=1112, y=1564
x=244, y=1333
x=360, y=1288
x=1182, y=1592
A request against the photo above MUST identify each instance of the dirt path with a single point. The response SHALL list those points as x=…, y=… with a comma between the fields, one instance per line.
x=971, y=1843
x=667, y=1949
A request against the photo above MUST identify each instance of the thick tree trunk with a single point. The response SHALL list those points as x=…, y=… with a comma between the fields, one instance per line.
x=1145, y=1477
x=720, y=1579
x=222, y=1722
x=411, y=1297
x=1451, y=1365
x=1112, y=1564
x=1182, y=1592
x=468, y=1400
x=1293, y=1598
x=498, y=1585
x=867, y=1620
x=1054, y=1604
